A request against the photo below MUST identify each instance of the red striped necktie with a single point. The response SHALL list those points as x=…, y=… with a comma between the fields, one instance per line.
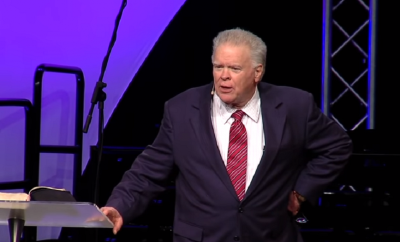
x=237, y=154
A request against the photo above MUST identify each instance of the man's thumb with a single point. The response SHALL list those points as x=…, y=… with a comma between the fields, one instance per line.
x=117, y=226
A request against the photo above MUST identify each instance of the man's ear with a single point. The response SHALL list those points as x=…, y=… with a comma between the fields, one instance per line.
x=258, y=73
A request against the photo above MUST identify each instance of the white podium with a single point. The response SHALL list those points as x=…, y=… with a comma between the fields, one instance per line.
x=17, y=214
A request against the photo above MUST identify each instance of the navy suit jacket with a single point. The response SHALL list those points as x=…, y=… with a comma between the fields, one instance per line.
x=304, y=151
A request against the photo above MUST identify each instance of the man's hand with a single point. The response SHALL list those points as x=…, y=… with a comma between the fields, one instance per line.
x=294, y=203
x=114, y=216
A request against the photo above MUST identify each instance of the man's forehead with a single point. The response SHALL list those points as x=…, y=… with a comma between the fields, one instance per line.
x=232, y=54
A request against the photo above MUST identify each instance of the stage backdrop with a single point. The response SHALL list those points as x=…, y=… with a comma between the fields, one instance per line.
x=73, y=33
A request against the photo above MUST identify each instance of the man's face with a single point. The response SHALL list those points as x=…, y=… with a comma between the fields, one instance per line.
x=235, y=77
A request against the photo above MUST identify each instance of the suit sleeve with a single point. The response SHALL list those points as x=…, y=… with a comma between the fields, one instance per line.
x=147, y=175
x=330, y=147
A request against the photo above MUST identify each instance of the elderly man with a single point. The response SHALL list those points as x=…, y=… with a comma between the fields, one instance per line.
x=248, y=154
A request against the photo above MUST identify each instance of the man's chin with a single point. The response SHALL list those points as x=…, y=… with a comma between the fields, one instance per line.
x=227, y=101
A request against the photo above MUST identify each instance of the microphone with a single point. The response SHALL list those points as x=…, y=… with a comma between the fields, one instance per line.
x=213, y=90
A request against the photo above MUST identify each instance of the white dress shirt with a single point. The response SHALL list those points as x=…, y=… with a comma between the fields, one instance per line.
x=222, y=120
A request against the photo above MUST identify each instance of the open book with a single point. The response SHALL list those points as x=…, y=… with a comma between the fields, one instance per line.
x=8, y=196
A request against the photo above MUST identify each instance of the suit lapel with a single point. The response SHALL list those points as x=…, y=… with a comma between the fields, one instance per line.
x=202, y=125
x=274, y=118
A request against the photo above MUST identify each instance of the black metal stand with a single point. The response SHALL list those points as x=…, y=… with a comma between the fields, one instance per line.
x=31, y=157
x=76, y=148
x=16, y=226
x=99, y=96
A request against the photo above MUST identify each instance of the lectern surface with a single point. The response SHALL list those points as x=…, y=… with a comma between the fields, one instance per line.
x=54, y=214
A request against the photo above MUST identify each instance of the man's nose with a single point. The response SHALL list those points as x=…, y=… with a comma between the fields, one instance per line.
x=225, y=75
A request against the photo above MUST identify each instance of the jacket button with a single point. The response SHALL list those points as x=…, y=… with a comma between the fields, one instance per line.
x=240, y=210
x=236, y=238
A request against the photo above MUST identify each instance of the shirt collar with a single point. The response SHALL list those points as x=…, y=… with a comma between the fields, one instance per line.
x=252, y=108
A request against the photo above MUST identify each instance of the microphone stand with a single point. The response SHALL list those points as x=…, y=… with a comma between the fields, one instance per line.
x=99, y=97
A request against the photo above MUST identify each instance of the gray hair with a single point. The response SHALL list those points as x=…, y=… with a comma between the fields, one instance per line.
x=258, y=49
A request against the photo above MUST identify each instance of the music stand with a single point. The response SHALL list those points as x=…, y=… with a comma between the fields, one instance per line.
x=17, y=214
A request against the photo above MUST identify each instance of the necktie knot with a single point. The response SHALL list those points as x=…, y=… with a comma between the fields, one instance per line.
x=238, y=115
